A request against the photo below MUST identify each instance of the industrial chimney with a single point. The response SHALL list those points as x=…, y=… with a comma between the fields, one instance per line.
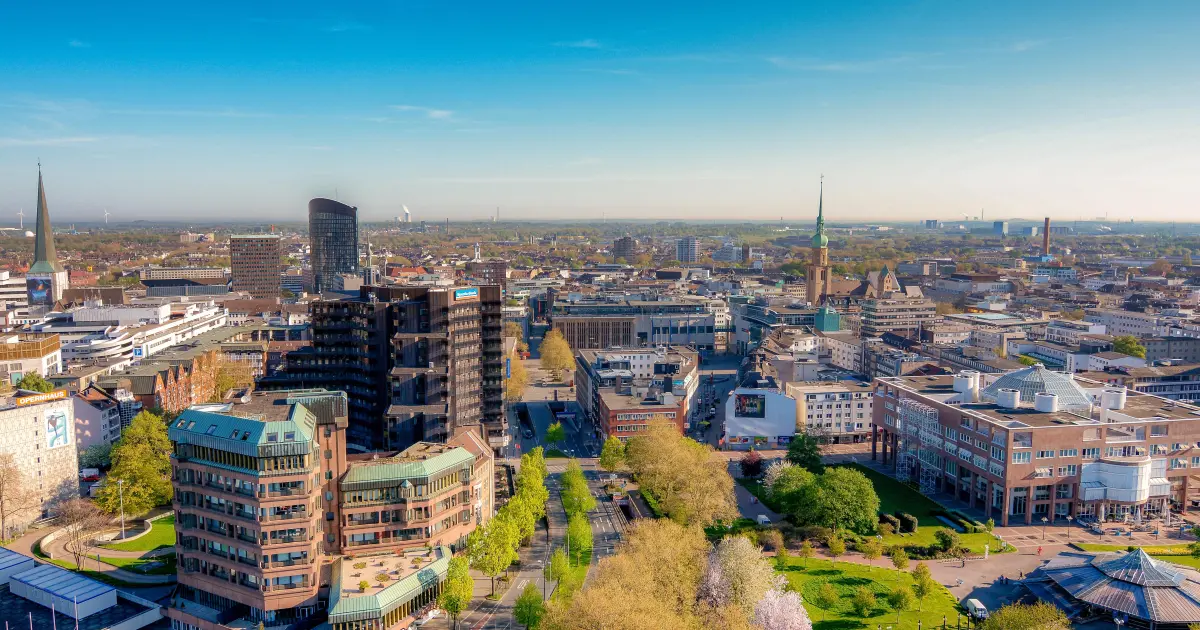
x=1046, y=238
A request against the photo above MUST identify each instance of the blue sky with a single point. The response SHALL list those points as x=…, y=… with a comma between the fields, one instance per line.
x=563, y=110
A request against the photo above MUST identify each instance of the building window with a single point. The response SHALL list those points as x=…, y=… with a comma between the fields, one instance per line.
x=1045, y=454
x=1091, y=453
x=1069, y=452
x=1021, y=458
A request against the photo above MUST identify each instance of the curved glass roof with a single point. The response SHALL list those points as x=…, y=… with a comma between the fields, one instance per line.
x=1038, y=380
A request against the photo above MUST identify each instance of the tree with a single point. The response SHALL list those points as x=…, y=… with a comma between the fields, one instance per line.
x=863, y=601
x=771, y=539
x=806, y=552
x=839, y=498
x=804, y=451
x=692, y=486
x=872, y=550
x=517, y=379
x=825, y=598
x=514, y=330
x=556, y=354
x=837, y=546
x=1039, y=616
x=559, y=566
x=98, y=455
x=900, y=599
x=142, y=459
x=576, y=495
x=16, y=498
x=781, y=610
x=555, y=433
x=579, y=537
x=1027, y=360
x=612, y=455
x=529, y=608
x=232, y=375
x=899, y=558
x=80, y=520
x=493, y=548
x=1128, y=344
x=773, y=473
x=1161, y=267
x=790, y=486
x=923, y=583
x=948, y=539
x=457, y=590
x=32, y=381
x=738, y=574
x=751, y=464
x=782, y=558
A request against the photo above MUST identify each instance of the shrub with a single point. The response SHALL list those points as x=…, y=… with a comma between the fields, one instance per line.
x=886, y=529
x=751, y=464
x=362, y=585
x=360, y=565
x=771, y=539
x=890, y=520
x=947, y=538
x=990, y=525
x=837, y=546
x=381, y=577
x=814, y=533
x=908, y=523
x=863, y=601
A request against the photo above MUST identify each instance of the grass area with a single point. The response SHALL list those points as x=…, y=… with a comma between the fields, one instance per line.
x=164, y=565
x=895, y=496
x=571, y=584
x=756, y=488
x=555, y=454
x=1186, y=561
x=162, y=534
x=1163, y=550
x=846, y=578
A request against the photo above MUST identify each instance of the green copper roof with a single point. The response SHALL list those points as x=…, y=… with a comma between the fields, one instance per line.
x=45, y=258
x=387, y=472
x=363, y=607
x=819, y=239
x=246, y=435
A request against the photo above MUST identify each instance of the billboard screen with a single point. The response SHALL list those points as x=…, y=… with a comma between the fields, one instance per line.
x=39, y=291
x=750, y=405
x=462, y=294
x=57, y=432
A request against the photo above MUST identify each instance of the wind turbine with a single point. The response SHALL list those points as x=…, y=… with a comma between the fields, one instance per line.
x=21, y=214
x=106, y=215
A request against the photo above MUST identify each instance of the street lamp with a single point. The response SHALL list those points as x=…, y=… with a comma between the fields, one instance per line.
x=1044, y=521
x=1069, y=518
x=121, y=493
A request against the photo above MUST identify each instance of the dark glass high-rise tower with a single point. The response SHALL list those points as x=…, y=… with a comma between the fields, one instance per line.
x=333, y=237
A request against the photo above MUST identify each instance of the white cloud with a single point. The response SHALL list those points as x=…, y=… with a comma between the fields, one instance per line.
x=582, y=43
x=430, y=112
x=75, y=43
x=1025, y=45
x=347, y=26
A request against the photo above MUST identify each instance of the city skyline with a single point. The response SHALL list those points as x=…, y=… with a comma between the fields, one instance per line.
x=672, y=111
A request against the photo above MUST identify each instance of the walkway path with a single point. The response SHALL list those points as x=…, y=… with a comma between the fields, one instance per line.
x=57, y=549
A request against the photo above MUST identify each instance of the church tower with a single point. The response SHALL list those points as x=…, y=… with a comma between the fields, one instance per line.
x=46, y=279
x=818, y=283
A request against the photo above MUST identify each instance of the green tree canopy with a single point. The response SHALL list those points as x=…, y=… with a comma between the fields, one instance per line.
x=1039, y=616
x=556, y=354
x=457, y=590
x=555, y=433
x=841, y=497
x=579, y=536
x=34, y=382
x=530, y=608
x=612, y=456
x=805, y=451
x=493, y=548
x=142, y=459
x=1128, y=344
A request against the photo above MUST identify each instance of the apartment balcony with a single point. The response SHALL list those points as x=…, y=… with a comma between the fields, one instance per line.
x=287, y=540
x=287, y=516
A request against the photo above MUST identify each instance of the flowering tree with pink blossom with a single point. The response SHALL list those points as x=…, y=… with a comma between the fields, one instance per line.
x=781, y=610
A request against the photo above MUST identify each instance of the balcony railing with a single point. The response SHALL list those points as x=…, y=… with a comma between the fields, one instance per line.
x=286, y=516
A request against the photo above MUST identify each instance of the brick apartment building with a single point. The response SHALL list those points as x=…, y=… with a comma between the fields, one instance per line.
x=256, y=261
x=621, y=390
x=1034, y=444
x=273, y=517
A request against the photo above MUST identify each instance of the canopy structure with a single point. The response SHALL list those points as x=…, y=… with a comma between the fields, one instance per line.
x=1129, y=584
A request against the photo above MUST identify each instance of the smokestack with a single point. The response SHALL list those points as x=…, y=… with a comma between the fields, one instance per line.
x=1046, y=237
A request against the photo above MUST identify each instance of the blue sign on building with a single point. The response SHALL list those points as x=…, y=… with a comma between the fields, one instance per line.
x=460, y=294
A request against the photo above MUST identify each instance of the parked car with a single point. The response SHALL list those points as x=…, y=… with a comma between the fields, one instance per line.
x=89, y=474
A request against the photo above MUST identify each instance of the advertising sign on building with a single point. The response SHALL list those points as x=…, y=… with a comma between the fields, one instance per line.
x=57, y=430
x=462, y=294
x=40, y=291
x=750, y=406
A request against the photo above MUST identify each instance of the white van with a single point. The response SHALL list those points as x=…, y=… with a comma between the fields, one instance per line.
x=976, y=609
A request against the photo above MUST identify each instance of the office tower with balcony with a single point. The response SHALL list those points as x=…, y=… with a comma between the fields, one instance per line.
x=333, y=241
x=273, y=516
x=624, y=248
x=256, y=261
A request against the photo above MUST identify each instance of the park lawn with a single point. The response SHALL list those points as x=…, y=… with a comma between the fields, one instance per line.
x=1160, y=550
x=756, y=488
x=846, y=577
x=162, y=534
x=1187, y=561
x=162, y=565
x=576, y=574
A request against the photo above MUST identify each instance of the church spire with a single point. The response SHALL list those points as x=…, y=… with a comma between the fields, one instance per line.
x=45, y=258
x=819, y=240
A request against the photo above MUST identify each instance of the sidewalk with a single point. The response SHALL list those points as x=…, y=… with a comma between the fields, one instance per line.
x=57, y=549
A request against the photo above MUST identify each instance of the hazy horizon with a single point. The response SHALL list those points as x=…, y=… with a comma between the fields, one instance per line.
x=672, y=111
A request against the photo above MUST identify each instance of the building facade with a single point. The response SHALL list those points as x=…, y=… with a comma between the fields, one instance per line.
x=596, y=324
x=687, y=249
x=256, y=261
x=617, y=388
x=267, y=498
x=483, y=272
x=624, y=248
x=37, y=431
x=838, y=411
x=23, y=353
x=333, y=241
x=1034, y=444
